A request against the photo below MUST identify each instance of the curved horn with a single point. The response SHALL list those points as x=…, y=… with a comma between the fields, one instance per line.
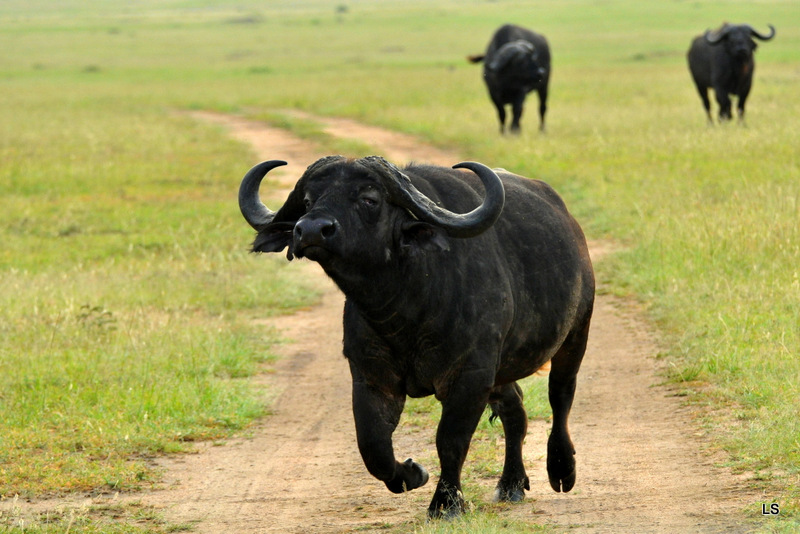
x=253, y=210
x=404, y=194
x=763, y=37
x=484, y=216
x=718, y=35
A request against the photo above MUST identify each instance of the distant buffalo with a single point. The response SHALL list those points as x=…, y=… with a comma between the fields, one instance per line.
x=723, y=60
x=516, y=62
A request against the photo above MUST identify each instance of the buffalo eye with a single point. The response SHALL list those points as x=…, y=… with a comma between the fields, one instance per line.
x=369, y=198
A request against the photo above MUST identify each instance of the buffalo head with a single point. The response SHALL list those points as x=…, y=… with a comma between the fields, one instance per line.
x=737, y=39
x=361, y=211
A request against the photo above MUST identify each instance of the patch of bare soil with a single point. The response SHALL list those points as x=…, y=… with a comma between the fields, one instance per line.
x=643, y=464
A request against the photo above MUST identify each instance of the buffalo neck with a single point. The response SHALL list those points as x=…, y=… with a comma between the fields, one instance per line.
x=392, y=296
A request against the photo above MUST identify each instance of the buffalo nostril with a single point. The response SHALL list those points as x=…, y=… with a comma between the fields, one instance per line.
x=328, y=231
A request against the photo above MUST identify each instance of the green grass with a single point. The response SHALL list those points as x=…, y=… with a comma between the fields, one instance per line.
x=480, y=521
x=124, y=258
x=104, y=518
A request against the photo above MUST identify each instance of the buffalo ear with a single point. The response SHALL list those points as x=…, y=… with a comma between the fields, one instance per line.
x=274, y=238
x=419, y=236
x=278, y=234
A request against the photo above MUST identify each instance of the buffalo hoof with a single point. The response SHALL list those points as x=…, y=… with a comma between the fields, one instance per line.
x=447, y=503
x=561, y=473
x=560, y=463
x=410, y=475
x=511, y=492
x=563, y=484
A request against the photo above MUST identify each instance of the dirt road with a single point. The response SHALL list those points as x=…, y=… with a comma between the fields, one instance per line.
x=643, y=466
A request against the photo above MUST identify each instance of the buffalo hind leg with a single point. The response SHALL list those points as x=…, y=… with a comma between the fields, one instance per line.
x=376, y=416
x=563, y=376
x=703, y=92
x=461, y=412
x=506, y=403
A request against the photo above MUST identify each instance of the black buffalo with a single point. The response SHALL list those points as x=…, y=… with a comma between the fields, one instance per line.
x=723, y=60
x=447, y=295
x=516, y=62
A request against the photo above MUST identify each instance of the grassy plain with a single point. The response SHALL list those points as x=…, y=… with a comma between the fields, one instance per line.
x=126, y=292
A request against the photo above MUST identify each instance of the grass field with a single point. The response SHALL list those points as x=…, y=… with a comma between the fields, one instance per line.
x=126, y=292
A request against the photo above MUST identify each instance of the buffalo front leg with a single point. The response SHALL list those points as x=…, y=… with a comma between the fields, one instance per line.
x=376, y=415
x=501, y=113
x=461, y=412
x=740, y=104
x=542, y=106
x=516, y=110
x=506, y=403
x=724, y=102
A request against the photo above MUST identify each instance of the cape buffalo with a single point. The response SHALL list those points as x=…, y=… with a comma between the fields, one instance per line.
x=516, y=62
x=723, y=60
x=447, y=294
